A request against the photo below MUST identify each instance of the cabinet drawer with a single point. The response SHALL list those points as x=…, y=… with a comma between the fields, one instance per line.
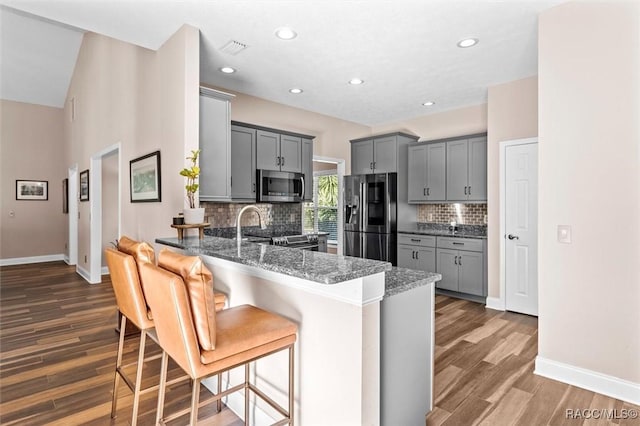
x=469, y=244
x=417, y=240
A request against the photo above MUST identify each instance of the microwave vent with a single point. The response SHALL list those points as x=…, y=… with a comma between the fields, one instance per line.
x=233, y=47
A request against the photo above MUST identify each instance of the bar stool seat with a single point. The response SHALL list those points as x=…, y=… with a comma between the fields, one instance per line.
x=234, y=337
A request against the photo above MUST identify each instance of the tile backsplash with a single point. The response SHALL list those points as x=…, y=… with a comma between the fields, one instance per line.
x=468, y=214
x=223, y=215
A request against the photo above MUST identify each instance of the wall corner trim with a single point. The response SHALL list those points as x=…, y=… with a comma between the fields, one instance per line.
x=590, y=380
x=31, y=259
x=495, y=303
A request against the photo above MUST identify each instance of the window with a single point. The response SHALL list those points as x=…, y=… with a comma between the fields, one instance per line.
x=322, y=214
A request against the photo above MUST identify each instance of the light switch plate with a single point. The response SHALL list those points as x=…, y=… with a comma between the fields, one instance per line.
x=564, y=234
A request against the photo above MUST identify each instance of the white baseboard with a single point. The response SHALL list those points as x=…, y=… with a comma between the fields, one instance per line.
x=590, y=380
x=235, y=402
x=105, y=270
x=83, y=273
x=495, y=303
x=31, y=259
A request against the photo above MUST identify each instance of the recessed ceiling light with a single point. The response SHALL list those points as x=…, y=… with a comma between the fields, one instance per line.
x=428, y=103
x=356, y=81
x=296, y=91
x=286, y=33
x=227, y=70
x=468, y=42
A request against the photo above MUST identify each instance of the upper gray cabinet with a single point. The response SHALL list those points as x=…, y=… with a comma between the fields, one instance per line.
x=215, y=144
x=307, y=168
x=279, y=151
x=378, y=154
x=427, y=172
x=243, y=163
x=467, y=169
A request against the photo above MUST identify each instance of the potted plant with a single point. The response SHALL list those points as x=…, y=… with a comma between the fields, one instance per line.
x=192, y=214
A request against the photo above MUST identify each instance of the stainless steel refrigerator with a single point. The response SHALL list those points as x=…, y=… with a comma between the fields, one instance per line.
x=370, y=203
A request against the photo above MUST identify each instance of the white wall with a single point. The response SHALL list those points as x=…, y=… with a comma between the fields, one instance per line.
x=589, y=170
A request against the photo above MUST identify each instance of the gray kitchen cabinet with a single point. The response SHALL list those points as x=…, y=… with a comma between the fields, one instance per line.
x=215, y=145
x=427, y=172
x=322, y=243
x=243, y=163
x=307, y=168
x=378, y=154
x=467, y=169
x=461, y=262
x=417, y=252
x=279, y=151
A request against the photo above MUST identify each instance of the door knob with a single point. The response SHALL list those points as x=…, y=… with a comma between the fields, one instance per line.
x=513, y=237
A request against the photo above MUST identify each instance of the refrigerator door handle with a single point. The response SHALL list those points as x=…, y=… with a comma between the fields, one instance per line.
x=363, y=200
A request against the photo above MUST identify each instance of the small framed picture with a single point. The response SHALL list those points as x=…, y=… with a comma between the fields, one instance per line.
x=84, y=185
x=65, y=195
x=32, y=190
x=144, y=174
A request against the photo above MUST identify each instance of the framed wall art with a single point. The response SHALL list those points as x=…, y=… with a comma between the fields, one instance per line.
x=32, y=190
x=84, y=185
x=65, y=195
x=144, y=174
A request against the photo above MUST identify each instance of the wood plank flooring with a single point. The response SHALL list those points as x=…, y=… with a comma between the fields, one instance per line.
x=58, y=349
x=484, y=364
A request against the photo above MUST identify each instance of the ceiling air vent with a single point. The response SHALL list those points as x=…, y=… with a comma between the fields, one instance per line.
x=233, y=47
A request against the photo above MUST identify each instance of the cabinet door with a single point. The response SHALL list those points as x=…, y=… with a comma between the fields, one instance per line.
x=362, y=157
x=406, y=256
x=307, y=168
x=426, y=259
x=457, y=170
x=267, y=150
x=436, y=171
x=215, y=158
x=477, y=169
x=471, y=273
x=243, y=163
x=417, y=174
x=446, y=265
x=385, y=155
x=322, y=243
x=290, y=153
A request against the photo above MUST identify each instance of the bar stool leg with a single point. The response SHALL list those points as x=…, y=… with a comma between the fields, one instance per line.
x=219, y=402
x=195, y=399
x=161, y=389
x=116, y=379
x=291, y=382
x=246, y=394
x=136, y=391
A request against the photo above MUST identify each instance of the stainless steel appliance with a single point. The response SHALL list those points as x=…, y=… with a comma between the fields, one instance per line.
x=279, y=187
x=370, y=216
x=303, y=241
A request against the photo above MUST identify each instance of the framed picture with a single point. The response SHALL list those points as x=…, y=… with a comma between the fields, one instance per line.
x=65, y=195
x=32, y=190
x=84, y=185
x=144, y=174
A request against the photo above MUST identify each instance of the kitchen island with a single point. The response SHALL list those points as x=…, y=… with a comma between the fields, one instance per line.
x=335, y=300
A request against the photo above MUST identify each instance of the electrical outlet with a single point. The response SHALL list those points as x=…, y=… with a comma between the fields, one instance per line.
x=564, y=234
x=12, y=213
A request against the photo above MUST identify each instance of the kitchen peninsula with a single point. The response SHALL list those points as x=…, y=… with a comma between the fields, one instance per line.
x=339, y=303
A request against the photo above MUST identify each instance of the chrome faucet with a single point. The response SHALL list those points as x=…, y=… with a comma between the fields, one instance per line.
x=239, y=218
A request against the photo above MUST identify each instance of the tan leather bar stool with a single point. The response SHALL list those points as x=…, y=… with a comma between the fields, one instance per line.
x=204, y=342
x=123, y=267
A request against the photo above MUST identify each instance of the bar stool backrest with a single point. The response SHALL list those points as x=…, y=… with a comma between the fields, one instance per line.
x=167, y=295
x=199, y=283
x=126, y=286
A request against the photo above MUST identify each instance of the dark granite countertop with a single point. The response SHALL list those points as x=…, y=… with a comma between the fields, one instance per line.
x=399, y=280
x=320, y=267
x=440, y=230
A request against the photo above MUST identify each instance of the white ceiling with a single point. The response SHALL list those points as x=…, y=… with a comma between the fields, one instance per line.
x=405, y=50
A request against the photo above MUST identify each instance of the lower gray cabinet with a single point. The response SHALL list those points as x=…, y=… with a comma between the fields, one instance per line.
x=461, y=262
x=417, y=252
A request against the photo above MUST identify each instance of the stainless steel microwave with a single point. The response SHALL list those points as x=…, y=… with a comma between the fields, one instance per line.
x=279, y=187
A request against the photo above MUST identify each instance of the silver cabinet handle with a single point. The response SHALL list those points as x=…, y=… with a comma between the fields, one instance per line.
x=465, y=190
x=455, y=260
x=513, y=237
x=428, y=191
x=277, y=161
x=303, y=188
x=424, y=192
x=371, y=165
x=457, y=243
x=460, y=260
x=417, y=255
x=413, y=254
x=282, y=158
x=469, y=190
x=416, y=240
x=254, y=187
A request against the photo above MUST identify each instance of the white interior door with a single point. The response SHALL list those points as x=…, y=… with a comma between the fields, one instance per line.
x=521, y=226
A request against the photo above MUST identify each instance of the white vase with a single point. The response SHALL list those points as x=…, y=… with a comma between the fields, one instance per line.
x=193, y=216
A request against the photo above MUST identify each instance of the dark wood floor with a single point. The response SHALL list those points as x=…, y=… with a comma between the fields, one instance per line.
x=58, y=347
x=484, y=373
